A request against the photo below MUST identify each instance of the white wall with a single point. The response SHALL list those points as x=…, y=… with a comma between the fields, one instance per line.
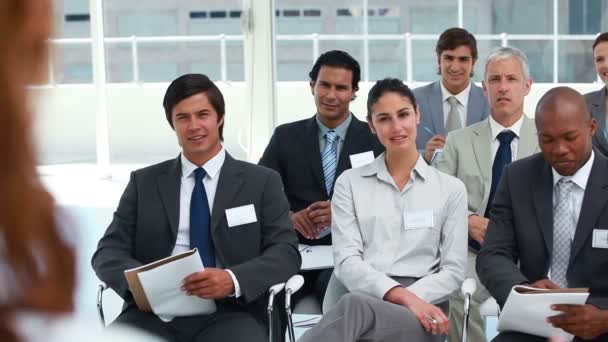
x=139, y=132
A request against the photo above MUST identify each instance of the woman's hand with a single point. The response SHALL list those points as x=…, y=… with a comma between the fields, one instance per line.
x=430, y=316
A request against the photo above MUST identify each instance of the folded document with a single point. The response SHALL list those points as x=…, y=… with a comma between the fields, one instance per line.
x=527, y=309
x=316, y=257
x=156, y=287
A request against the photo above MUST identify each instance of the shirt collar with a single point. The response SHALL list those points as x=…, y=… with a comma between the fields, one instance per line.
x=581, y=176
x=340, y=130
x=378, y=168
x=497, y=128
x=463, y=96
x=212, y=166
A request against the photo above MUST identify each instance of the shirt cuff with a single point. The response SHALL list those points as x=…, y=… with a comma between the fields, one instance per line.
x=237, y=287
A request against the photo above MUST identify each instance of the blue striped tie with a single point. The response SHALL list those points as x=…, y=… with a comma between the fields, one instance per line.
x=329, y=160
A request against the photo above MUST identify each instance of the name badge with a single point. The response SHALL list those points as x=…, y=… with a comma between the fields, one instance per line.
x=414, y=219
x=241, y=215
x=361, y=159
x=600, y=238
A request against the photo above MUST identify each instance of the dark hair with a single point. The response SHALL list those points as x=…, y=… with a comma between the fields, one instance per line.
x=454, y=37
x=189, y=85
x=388, y=85
x=603, y=37
x=338, y=59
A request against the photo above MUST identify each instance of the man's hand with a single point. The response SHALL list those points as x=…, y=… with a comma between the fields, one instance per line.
x=545, y=284
x=320, y=214
x=303, y=224
x=478, y=226
x=437, y=141
x=585, y=321
x=431, y=317
x=212, y=283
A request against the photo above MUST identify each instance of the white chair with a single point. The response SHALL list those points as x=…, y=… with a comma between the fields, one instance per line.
x=489, y=308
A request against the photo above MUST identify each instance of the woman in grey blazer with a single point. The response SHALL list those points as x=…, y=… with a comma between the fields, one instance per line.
x=400, y=235
x=597, y=101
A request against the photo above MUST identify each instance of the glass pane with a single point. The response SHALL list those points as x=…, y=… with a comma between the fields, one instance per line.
x=294, y=60
x=424, y=63
x=576, y=62
x=72, y=19
x=72, y=63
x=432, y=17
x=386, y=59
x=353, y=47
x=583, y=17
x=540, y=58
x=510, y=16
x=483, y=49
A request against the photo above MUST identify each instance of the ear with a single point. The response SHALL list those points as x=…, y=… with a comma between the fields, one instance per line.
x=417, y=115
x=485, y=89
x=312, y=87
x=371, y=126
x=527, y=86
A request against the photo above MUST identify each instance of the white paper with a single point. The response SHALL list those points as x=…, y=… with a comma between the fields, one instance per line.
x=528, y=312
x=600, y=238
x=241, y=215
x=361, y=159
x=415, y=219
x=162, y=286
x=316, y=257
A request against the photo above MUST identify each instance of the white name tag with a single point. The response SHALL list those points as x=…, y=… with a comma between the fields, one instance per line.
x=600, y=238
x=241, y=215
x=361, y=159
x=414, y=219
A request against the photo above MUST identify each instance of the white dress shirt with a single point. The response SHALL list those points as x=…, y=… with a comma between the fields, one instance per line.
x=372, y=241
x=463, y=102
x=580, y=178
x=212, y=174
x=496, y=129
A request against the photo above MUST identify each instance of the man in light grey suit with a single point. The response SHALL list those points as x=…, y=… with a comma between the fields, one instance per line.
x=476, y=155
x=453, y=101
x=234, y=212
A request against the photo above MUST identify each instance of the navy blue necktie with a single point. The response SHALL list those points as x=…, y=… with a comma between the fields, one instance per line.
x=503, y=157
x=200, y=221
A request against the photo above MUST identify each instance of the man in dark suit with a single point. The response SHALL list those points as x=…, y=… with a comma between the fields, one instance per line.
x=310, y=154
x=179, y=204
x=547, y=215
x=453, y=101
x=597, y=100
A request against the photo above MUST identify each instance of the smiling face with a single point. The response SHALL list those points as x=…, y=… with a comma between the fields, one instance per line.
x=394, y=120
x=197, y=124
x=600, y=54
x=505, y=86
x=456, y=67
x=333, y=92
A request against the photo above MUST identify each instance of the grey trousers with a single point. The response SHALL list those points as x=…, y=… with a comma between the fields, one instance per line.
x=477, y=326
x=359, y=317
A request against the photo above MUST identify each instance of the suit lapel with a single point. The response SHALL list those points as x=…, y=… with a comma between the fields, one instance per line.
x=543, y=203
x=528, y=139
x=598, y=112
x=169, y=185
x=229, y=184
x=475, y=105
x=312, y=151
x=481, y=149
x=594, y=203
x=436, y=102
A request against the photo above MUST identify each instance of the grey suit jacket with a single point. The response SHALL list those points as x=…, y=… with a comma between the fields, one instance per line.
x=521, y=231
x=145, y=224
x=467, y=155
x=596, y=102
x=430, y=102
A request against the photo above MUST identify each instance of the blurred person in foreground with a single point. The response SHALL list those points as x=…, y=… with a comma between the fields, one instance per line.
x=37, y=266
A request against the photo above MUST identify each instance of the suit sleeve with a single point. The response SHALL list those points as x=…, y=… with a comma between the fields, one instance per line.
x=280, y=258
x=115, y=249
x=271, y=156
x=497, y=261
x=447, y=161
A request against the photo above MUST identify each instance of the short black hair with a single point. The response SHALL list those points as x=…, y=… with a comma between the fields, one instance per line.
x=388, y=85
x=337, y=59
x=189, y=85
x=603, y=37
x=454, y=37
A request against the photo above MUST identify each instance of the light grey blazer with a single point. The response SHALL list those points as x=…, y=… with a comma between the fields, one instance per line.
x=467, y=156
x=430, y=102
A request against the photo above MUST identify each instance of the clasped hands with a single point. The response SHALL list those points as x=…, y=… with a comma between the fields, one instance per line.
x=310, y=221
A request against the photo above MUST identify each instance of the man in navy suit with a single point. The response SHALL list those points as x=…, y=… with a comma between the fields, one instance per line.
x=549, y=220
x=454, y=101
x=310, y=154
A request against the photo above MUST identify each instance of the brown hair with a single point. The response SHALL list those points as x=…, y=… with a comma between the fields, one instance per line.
x=40, y=264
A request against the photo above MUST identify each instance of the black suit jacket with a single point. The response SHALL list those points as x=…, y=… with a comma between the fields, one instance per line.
x=521, y=230
x=145, y=225
x=596, y=103
x=294, y=152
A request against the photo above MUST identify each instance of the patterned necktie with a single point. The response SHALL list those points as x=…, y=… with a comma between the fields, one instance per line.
x=200, y=221
x=562, y=226
x=329, y=160
x=453, y=121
